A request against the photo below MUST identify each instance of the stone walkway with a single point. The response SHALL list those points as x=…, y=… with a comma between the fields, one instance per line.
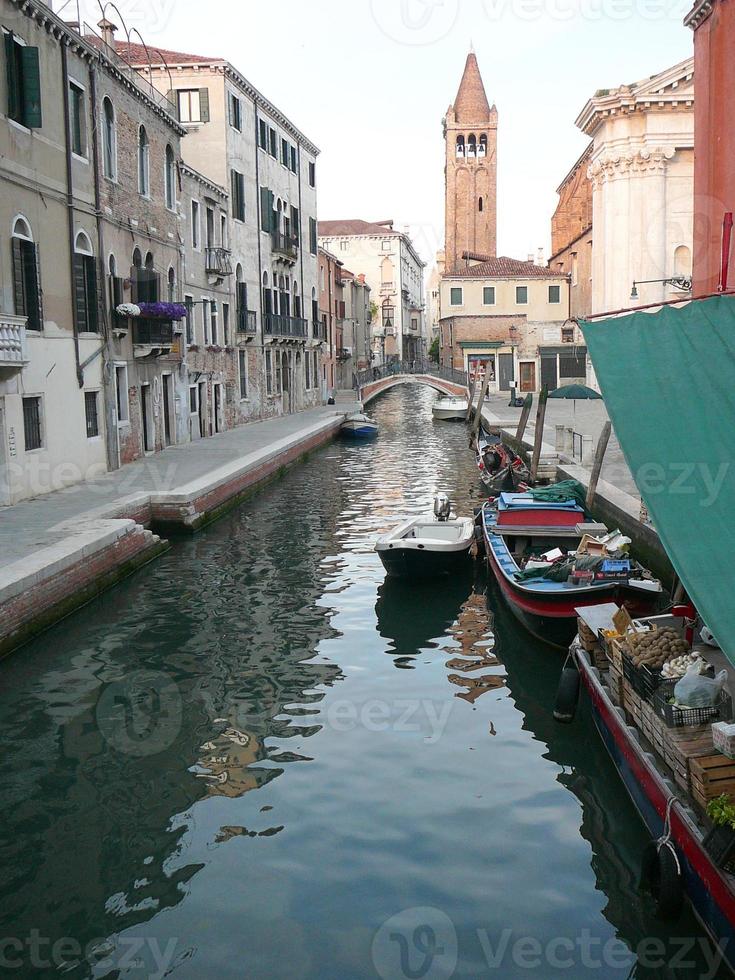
x=585, y=417
x=31, y=525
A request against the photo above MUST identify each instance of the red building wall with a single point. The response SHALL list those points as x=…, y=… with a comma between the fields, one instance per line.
x=714, y=137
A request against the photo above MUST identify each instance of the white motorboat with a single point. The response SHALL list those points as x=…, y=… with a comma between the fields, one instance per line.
x=450, y=408
x=429, y=546
x=359, y=426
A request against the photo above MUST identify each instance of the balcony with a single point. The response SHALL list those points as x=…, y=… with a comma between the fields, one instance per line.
x=280, y=325
x=13, y=345
x=217, y=261
x=344, y=353
x=285, y=245
x=319, y=330
x=152, y=338
x=247, y=321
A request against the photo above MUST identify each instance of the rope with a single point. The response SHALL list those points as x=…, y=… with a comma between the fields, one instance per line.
x=665, y=839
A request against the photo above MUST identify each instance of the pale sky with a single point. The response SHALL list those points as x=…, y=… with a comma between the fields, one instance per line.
x=369, y=81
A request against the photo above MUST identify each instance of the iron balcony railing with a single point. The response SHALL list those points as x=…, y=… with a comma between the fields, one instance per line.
x=281, y=325
x=319, y=330
x=286, y=245
x=218, y=260
x=153, y=333
x=247, y=321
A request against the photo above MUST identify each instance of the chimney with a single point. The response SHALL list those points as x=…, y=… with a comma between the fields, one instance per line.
x=540, y=260
x=530, y=257
x=108, y=29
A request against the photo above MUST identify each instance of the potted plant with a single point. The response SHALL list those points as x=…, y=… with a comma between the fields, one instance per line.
x=720, y=841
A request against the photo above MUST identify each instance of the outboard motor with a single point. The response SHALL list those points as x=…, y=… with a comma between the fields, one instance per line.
x=442, y=507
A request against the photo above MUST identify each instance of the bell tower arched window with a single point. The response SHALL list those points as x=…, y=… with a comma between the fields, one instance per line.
x=460, y=146
x=471, y=145
x=482, y=146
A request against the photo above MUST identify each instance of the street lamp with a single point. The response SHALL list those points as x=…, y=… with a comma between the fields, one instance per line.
x=679, y=282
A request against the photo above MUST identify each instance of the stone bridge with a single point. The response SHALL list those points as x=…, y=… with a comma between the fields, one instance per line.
x=372, y=389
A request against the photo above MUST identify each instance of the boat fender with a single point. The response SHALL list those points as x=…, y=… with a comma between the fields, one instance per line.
x=567, y=696
x=479, y=542
x=661, y=878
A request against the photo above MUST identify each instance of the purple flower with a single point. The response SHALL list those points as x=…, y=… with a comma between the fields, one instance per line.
x=163, y=311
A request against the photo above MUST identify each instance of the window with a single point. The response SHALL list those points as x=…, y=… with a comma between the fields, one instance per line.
x=567, y=335
x=193, y=400
x=196, y=229
x=121, y=393
x=455, y=296
x=91, y=414
x=143, y=163
x=109, y=140
x=284, y=152
x=26, y=275
x=170, y=178
x=460, y=146
x=237, y=181
x=192, y=105
x=479, y=204
x=24, y=82
x=294, y=160
x=521, y=295
x=242, y=358
x=307, y=370
x=555, y=294
x=572, y=365
x=312, y=236
x=214, y=319
x=266, y=209
x=116, y=284
x=312, y=174
x=235, y=112
x=488, y=295
x=386, y=245
x=189, y=303
x=223, y=230
x=263, y=134
x=268, y=372
x=273, y=136
x=277, y=381
x=78, y=121
x=575, y=269
x=225, y=323
x=86, y=302
x=241, y=297
x=171, y=283
x=32, y=423
x=206, y=320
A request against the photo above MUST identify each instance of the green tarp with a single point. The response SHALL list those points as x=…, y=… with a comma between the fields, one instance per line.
x=668, y=379
x=560, y=493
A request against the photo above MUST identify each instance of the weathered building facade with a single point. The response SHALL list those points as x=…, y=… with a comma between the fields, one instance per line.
x=713, y=23
x=395, y=274
x=470, y=174
x=571, y=235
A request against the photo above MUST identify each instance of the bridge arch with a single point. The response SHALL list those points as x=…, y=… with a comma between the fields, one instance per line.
x=372, y=389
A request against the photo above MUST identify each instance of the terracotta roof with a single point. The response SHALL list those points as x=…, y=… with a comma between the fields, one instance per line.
x=356, y=226
x=136, y=54
x=502, y=267
x=471, y=103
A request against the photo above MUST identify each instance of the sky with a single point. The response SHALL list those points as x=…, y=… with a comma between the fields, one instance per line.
x=369, y=82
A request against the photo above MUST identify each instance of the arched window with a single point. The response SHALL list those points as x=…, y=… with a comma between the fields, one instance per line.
x=149, y=261
x=682, y=261
x=26, y=286
x=86, y=300
x=482, y=146
x=460, y=146
x=267, y=297
x=170, y=178
x=137, y=258
x=171, y=285
x=109, y=139
x=479, y=205
x=144, y=186
x=471, y=145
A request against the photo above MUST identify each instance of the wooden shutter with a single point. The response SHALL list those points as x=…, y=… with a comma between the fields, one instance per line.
x=294, y=221
x=31, y=88
x=19, y=282
x=312, y=236
x=80, y=294
x=33, y=291
x=265, y=209
x=173, y=102
x=235, y=193
x=204, y=104
x=14, y=81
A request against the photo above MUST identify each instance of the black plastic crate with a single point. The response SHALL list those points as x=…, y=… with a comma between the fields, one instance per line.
x=720, y=845
x=643, y=680
x=680, y=717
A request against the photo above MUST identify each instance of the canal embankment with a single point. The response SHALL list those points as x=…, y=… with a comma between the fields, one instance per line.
x=61, y=549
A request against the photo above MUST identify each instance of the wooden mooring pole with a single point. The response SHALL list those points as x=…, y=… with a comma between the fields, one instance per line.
x=538, y=437
x=471, y=393
x=523, y=420
x=478, y=413
x=597, y=464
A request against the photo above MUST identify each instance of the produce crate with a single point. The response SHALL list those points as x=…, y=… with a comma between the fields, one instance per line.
x=643, y=680
x=653, y=728
x=615, y=652
x=632, y=703
x=615, y=683
x=710, y=776
x=685, y=717
x=587, y=638
x=723, y=739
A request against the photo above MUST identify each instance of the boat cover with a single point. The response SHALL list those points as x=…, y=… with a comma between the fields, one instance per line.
x=668, y=379
x=560, y=493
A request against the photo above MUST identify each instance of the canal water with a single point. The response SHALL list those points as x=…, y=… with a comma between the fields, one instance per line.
x=257, y=758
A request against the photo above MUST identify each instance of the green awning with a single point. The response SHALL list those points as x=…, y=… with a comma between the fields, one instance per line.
x=668, y=379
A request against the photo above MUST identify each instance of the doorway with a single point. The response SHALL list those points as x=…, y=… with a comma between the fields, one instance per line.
x=4, y=469
x=528, y=375
x=217, y=392
x=168, y=410
x=286, y=382
x=549, y=374
x=147, y=414
x=506, y=374
x=203, y=409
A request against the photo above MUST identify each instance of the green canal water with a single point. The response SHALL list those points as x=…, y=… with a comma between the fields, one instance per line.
x=257, y=758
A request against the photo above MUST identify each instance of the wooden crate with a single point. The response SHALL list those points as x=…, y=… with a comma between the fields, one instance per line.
x=632, y=704
x=615, y=653
x=711, y=775
x=681, y=746
x=615, y=683
x=653, y=728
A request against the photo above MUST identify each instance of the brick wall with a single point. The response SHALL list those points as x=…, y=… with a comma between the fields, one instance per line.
x=573, y=213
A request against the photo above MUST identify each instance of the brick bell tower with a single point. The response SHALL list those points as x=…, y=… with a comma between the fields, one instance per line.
x=470, y=174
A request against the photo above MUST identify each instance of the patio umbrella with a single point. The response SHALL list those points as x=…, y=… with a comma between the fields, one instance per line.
x=576, y=393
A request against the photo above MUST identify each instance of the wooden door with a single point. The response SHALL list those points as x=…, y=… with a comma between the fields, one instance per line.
x=528, y=375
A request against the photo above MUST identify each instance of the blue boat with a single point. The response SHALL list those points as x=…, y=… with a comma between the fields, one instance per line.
x=359, y=426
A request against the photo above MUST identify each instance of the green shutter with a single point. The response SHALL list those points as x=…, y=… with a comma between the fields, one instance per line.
x=233, y=192
x=294, y=221
x=264, y=212
x=31, y=88
x=34, y=293
x=80, y=294
x=14, y=81
x=173, y=103
x=204, y=104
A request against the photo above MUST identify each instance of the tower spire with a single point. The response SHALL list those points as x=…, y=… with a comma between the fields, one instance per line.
x=471, y=102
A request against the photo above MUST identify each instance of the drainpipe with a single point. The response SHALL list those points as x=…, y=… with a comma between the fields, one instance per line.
x=111, y=442
x=70, y=207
